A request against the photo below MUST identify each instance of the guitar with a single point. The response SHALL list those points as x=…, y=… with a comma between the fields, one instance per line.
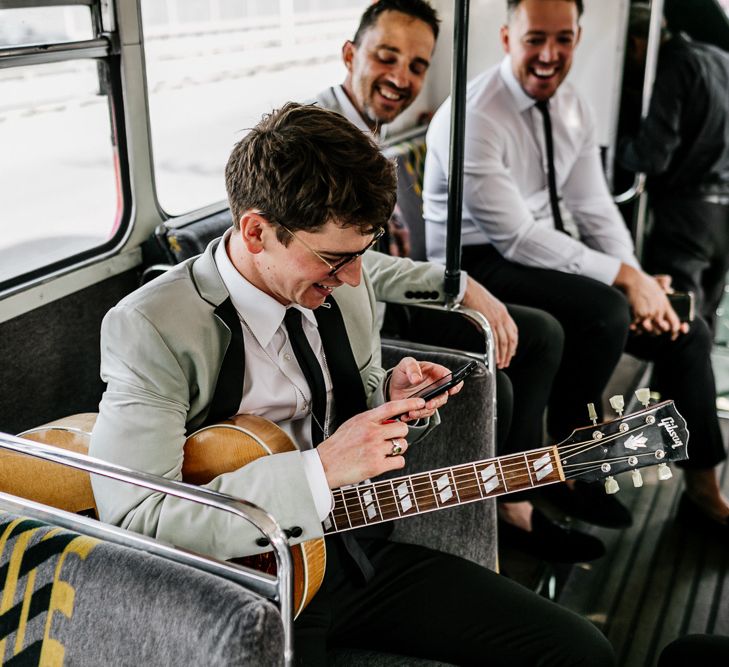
x=652, y=436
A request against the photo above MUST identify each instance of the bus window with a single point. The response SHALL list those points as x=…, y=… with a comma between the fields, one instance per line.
x=60, y=196
x=214, y=66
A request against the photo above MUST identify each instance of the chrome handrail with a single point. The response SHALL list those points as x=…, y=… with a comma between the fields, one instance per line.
x=242, y=508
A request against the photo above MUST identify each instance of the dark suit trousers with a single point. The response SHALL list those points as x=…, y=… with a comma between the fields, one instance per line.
x=595, y=318
x=427, y=604
x=690, y=242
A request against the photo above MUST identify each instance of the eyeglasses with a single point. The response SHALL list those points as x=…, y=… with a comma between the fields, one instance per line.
x=334, y=268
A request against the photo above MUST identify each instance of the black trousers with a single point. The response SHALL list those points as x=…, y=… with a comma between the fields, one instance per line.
x=595, y=318
x=522, y=389
x=690, y=242
x=696, y=650
x=427, y=604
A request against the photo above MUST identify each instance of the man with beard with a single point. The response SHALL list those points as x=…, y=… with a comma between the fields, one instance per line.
x=531, y=159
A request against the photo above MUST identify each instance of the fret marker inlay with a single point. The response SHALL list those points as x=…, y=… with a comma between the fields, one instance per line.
x=369, y=502
x=489, y=478
x=543, y=466
x=404, y=495
x=444, y=486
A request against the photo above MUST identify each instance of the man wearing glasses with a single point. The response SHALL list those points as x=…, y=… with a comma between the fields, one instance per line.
x=218, y=335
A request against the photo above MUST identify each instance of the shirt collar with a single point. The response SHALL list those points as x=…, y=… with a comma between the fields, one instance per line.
x=352, y=114
x=523, y=101
x=260, y=311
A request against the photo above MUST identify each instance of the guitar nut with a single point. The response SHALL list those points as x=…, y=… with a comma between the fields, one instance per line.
x=605, y=467
x=597, y=435
x=633, y=460
x=650, y=419
x=660, y=454
x=623, y=427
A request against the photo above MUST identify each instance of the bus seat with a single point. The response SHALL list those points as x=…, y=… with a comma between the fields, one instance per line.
x=59, y=586
x=463, y=436
x=409, y=154
x=468, y=531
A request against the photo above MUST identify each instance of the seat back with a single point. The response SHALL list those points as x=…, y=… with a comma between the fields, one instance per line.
x=464, y=435
x=409, y=155
x=73, y=599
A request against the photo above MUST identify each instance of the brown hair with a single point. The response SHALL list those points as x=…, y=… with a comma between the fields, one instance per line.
x=417, y=9
x=303, y=166
x=511, y=6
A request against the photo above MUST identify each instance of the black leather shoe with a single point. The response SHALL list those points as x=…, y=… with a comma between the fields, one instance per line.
x=588, y=502
x=551, y=541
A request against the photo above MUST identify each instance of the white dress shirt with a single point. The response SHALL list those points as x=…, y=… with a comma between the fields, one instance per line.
x=274, y=387
x=350, y=112
x=506, y=194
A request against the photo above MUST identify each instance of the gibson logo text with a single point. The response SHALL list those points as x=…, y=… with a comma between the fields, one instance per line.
x=670, y=426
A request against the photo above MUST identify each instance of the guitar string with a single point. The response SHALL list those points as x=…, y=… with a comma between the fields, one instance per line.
x=469, y=471
x=471, y=491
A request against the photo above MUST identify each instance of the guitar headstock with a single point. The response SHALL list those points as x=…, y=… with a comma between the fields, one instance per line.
x=653, y=436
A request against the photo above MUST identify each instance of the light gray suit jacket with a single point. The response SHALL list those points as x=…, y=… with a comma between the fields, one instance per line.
x=161, y=350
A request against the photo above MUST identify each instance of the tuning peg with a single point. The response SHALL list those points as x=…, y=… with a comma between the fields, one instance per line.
x=617, y=403
x=644, y=396
x=592, y=413
x=664, y=472
x=637, y=478
x=611, y=485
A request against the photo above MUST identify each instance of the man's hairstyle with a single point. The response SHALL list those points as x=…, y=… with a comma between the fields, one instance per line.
x=303, y=166
x=418, y=9
x=511, y=6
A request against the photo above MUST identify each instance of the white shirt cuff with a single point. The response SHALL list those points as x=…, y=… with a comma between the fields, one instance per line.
x=318, y=485
x=599, y=266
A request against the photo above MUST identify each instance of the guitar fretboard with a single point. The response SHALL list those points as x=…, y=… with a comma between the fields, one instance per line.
x=385, y=500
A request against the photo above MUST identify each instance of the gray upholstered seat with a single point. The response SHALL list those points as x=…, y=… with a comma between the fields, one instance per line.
x=469, y=530
x=76, y=600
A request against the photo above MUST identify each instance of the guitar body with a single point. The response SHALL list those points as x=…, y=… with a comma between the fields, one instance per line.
x=209, y=452
x=229, y=445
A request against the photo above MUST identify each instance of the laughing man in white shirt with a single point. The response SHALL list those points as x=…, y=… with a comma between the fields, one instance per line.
x=590, y=280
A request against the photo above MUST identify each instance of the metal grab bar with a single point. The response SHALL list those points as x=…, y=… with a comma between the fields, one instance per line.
x=456, y=151
x=651, y=65
x=242, y=508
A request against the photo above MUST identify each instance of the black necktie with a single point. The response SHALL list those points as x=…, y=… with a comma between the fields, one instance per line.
x=312, y=371
x=543, y=106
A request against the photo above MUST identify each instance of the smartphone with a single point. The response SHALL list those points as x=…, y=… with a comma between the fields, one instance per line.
x=443, y=384
x=683, y=304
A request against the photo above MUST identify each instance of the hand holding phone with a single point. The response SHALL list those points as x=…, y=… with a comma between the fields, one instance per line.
x=683, y=304
x=443, y=384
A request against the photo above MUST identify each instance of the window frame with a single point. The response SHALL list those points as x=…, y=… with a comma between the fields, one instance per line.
x=105, y=50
